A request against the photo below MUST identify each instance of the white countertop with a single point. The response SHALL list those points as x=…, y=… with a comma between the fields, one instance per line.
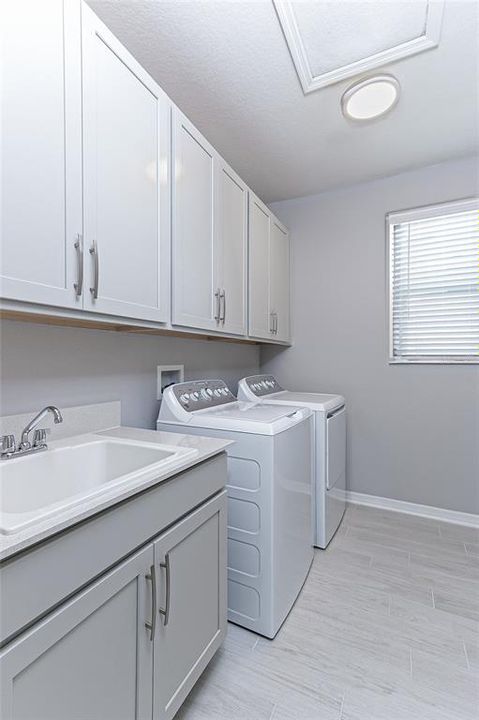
x=206, y=448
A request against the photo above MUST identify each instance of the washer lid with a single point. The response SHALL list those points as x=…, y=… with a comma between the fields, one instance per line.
x=247, y=412
x=246, y=417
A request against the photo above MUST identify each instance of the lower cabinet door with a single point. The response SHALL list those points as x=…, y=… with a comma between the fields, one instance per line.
x=89, y=660
x=190, y=562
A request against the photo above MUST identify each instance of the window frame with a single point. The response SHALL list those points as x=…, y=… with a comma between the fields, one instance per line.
x=411, y=215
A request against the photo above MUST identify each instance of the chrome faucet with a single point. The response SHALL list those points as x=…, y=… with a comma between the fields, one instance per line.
x=57, y=418
x=8, y=447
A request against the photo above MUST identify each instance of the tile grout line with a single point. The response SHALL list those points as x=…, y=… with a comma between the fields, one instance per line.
x=273, y=711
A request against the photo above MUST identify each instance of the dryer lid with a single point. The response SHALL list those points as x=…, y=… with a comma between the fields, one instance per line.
x=320, y=402
x=266, y=389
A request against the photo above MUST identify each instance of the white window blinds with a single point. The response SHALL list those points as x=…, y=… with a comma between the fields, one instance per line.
x=434, y=283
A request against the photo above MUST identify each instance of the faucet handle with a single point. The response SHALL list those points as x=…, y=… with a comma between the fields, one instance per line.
x=7, y=444
x=40, y=437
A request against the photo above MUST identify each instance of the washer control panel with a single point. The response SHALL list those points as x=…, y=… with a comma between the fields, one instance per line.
x=263, y=384
x=201, y=394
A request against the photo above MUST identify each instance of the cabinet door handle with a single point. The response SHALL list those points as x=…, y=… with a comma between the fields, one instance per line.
x=271, y=322
x=276, y=323
x=151, y=626
x=166, y=611
x=223, y=301
x=78, y=285
x=217, y=306
x=96, y=269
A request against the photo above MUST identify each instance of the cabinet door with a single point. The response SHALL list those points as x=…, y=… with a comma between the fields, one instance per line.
x=92, y=658
x=231, y=226
x=280, y=274
x=260, y=319
x=190, y=562
x=40, y=150
x=126, y=136
x=194, y=247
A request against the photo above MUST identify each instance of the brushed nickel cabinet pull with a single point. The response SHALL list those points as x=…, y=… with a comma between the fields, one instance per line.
x=151, y=626
x=78, y=285
x=223, y=306
x=96, y=269
x=217, y=306
x=166, y=611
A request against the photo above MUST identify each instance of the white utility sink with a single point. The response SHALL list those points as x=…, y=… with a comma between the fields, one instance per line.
x=37, y=486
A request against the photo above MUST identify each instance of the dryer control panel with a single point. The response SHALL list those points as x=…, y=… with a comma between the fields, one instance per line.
x=263, y=384
x=201, y=394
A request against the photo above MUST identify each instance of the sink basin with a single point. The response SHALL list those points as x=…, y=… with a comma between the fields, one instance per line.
x=37, y=486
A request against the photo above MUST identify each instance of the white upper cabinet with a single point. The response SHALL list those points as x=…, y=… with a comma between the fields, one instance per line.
x=269, y=271
x=194, y=302
x=279, y=281
x=230, y=268
x=260, y=324
x=126, y=199
x=41, y=217
x=209, y=235
x=112, y=202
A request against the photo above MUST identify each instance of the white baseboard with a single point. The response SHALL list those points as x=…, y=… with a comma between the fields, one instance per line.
x=426, y=511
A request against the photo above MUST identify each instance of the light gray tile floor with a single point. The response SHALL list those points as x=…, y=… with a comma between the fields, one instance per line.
x=386, y=628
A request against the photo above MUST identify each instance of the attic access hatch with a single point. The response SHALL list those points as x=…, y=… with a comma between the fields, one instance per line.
x=330, y=41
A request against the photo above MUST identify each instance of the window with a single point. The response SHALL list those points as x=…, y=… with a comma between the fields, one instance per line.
x=434, y=284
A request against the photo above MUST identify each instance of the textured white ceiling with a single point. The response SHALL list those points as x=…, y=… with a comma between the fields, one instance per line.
x=227, y=66
x=339, y=32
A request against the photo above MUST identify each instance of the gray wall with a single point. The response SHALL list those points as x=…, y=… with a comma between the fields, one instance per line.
x=413, y=430
x=68, y=366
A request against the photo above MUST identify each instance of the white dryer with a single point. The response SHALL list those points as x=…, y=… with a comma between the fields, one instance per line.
x=270, y=546
x=329, y=447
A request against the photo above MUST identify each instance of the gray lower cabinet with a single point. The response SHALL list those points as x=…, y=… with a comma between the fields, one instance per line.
x=190, y=561
x=90, y=659
x=132, y=645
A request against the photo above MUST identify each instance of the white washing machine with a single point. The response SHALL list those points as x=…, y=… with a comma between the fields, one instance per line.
x=329, y=447
x=270, y=536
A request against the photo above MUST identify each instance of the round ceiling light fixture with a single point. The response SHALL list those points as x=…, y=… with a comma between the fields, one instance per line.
x=371, y=98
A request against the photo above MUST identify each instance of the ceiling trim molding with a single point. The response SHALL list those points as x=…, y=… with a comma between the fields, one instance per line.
x=309, y=82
